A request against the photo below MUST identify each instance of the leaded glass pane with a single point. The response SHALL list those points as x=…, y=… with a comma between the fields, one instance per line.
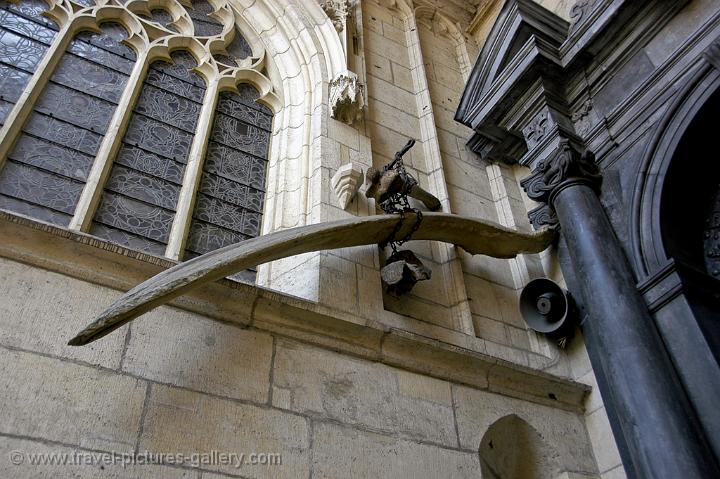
x=162, y=18
x=141, y=194
x=133, y=216
x=31, y=9
x=24, y=38
x=128, y=239
x=148, y=162
x=205, y=26
x=12, y=83
x=52, y=157
x=20, y=52
x=229, y=203
x=34, y=211
x=168, y=108
x=238, y=49
x=5, y=108
x=40, y=187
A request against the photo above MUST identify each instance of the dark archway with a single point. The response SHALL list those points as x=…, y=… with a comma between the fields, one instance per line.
x=675, y=195
x=690, y=217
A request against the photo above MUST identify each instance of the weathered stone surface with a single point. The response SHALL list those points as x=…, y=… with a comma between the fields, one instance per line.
x=354, y=391
x=81, y=464
x=65, y=402
x=186, y=422
x=477, y=410
x=37, y=307
x=603, y=441
x=366, y=454
x=183, y=349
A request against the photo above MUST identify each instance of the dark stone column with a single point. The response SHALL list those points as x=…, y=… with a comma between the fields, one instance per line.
x=656, y=420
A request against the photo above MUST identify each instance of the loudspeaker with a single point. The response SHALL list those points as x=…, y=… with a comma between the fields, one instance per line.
x=547, y=308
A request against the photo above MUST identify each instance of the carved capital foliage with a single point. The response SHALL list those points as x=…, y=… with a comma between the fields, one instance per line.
x=337, y=11
x=565, y=165
x=543, y=216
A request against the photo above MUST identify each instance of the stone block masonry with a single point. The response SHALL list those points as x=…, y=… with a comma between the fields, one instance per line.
x=180, y=383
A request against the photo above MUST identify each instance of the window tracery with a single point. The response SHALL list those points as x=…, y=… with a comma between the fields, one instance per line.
x=176, y=86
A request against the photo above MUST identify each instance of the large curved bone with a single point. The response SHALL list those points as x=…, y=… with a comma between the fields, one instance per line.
x=473, y=235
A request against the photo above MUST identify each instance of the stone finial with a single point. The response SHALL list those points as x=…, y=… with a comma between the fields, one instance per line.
x=347, y=98
x=346, y=183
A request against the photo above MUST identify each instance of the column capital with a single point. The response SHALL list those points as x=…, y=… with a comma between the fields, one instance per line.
x=563, y=168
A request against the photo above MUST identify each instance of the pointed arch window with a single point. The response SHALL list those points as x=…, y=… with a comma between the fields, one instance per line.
x=46, y=170
x=141, y=194
x=229, y=202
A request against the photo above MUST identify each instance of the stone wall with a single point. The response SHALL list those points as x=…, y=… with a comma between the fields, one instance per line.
x=175, y=381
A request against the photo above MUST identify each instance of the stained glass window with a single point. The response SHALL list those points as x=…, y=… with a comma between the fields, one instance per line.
x=45, y=172
x=230, y=199
x=140, y=197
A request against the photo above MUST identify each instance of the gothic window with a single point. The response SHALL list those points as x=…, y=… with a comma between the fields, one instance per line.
x=138, y=204
x=45, y=172
x=69, y=155
x=229, y=202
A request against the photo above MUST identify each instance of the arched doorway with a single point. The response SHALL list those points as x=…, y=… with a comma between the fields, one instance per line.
x=676, y=226
x=690, y=218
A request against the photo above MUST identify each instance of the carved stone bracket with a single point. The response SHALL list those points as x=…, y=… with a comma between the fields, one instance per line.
x=566, y=165
x=346, y=183
x=347, y=98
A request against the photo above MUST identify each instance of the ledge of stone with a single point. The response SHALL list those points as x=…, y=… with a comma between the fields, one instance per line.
x=88, y=258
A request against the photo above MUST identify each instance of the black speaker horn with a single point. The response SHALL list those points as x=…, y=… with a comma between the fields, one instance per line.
x=547, y=308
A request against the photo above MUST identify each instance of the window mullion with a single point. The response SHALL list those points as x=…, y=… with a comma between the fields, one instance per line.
x=193, y=173
x=92, y=192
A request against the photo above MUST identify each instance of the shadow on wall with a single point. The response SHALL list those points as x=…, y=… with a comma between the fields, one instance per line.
x=512, y=449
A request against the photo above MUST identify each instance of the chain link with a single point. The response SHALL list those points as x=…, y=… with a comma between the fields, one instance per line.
x=399, y=204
